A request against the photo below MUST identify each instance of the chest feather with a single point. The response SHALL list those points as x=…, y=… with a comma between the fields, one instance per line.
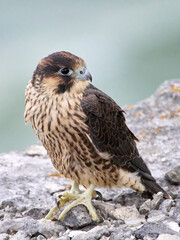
x=54, y=115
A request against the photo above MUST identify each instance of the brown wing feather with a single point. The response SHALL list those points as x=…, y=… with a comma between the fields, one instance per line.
x=109, y=132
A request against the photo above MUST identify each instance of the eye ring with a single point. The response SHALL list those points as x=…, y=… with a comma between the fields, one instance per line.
x=65, y=71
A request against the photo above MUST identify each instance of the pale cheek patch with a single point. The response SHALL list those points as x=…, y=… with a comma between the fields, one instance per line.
x=79, y=87
x=51, y=83
x=131, y=180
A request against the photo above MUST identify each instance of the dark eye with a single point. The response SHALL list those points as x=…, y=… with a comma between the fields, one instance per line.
x=65, y=71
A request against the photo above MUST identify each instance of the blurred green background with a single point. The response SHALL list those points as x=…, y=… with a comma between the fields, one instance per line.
x=130, y=47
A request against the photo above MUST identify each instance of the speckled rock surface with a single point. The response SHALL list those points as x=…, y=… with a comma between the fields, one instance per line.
x=29, y=184
x=173, y=176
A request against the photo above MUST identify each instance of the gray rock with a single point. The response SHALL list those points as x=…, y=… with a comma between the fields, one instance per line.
x=174, y=212
x=157, y=200
x=121, y=234
x=77, y=217
x=29, y=227
x=173, y=176
x=153, y=230
x=156, y=215
x=104, y=238
x=168, y=237
x=36, y=150
x=13, y=226
x=106, y=209
x=40, y=237
x=145, y=208
x=64, y=238
x=7, y=203
x=49, y=228
x=1, y=215
x=94, y=234
x=148, y=238
x=118, y=223
x=28, y=180
x=4, y=236
x=166, y=205
x=129, y=215
x=172, y=225
x=157, y=128
x=21, y=235
x=128, y=197
x=149, y=205
x=108, y=194
x=36, y=213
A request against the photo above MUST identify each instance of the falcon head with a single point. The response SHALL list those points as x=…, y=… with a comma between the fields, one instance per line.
x=60, y=72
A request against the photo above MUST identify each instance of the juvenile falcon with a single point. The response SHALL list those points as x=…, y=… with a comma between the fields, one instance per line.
x=84, y=132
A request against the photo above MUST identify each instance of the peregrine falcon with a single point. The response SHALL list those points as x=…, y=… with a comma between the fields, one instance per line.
x=84, y=132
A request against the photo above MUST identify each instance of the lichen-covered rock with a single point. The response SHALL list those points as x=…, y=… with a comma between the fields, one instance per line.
x=29, y=183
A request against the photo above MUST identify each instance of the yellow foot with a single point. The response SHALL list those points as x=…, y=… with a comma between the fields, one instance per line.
x=79, y=198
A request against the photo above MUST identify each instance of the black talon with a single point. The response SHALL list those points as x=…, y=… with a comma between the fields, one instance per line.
x=99, y=195
x=52, y=193
x=57, y=203
x=38, y=234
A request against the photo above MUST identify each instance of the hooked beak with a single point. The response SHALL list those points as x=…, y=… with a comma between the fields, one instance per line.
x=84, y=75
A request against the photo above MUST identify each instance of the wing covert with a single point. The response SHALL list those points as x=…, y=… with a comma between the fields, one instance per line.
x=109, y=132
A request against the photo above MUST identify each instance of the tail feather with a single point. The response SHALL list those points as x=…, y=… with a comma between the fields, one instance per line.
x=138, y=165
x=152, y=187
